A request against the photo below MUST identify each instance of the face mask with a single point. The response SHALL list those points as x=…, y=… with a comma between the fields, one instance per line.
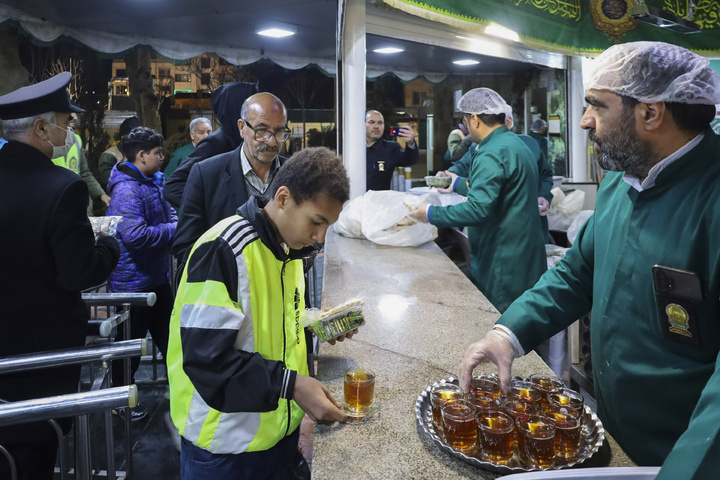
x=63, y=150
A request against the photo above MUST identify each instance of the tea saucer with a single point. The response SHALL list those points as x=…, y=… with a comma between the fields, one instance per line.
x=355, y=417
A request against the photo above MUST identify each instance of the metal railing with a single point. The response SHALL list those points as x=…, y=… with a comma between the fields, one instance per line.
x=75, y=404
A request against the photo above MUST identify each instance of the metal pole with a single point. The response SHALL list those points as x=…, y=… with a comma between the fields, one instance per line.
x=70, y=356
x=39, y=409
x=119, y=299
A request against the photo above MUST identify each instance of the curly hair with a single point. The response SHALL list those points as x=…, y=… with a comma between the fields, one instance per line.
x=140, y=138
x=311, y=172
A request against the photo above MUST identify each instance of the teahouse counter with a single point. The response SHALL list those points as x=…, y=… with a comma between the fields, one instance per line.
x=421, y=315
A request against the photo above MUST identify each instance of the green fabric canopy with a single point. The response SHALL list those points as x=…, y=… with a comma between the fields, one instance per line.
x=573, y=26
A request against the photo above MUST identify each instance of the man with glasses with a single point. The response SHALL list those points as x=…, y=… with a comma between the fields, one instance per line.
x=219, y=185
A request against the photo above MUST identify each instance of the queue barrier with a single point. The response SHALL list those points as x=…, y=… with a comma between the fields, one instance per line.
x=120, y=299
x=80, y=405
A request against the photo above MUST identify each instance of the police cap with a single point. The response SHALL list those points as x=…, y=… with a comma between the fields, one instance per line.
x=50, y=95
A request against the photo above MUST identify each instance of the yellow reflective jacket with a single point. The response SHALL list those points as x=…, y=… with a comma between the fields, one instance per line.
x=236, y=344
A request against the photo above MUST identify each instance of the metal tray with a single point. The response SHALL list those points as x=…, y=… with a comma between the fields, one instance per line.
x=593, y=433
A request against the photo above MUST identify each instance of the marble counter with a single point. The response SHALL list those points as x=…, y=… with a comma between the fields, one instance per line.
x=421, y=315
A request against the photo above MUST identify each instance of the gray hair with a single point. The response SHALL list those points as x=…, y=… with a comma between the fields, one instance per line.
x=18, y=127
x=195, y=122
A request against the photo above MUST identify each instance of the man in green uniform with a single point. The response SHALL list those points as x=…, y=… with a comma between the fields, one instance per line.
x=655, y=333
x=507, y=249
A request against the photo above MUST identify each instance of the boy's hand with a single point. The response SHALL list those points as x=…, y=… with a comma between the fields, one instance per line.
x=317, y=401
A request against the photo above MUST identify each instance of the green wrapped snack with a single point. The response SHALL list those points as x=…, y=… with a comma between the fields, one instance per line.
x=330, y=324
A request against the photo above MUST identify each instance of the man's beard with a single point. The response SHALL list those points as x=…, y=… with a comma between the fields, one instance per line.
x=621, y=150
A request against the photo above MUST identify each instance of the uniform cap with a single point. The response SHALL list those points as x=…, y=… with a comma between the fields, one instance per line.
x=50, y=95
x=653, y=72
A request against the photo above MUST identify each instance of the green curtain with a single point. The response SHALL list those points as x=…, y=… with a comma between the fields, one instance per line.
x=573, y=26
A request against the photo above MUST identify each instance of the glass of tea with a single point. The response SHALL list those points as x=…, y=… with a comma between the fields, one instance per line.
x=460, y=425
x=525, y=392
x=567, y=401
x=568, y=435
x=359, y=390
x=440, y=394
x=496, y=437
x=547, y=384
x=516, y=409
x=485, y=385
x=538, y=434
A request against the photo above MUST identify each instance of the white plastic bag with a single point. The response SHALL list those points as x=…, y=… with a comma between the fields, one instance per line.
x=578, y=222
x=383, y=219
x=564, y=208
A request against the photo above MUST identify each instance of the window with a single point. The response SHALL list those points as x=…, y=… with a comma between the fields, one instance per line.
x=121, y=90
x=121, y=72
x=183, y=77
x=205, y=79
x=204, y=63
x=418, y=98
x=164, y=72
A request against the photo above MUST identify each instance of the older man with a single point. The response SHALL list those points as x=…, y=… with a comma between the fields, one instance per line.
x=218, y=186
x=199, y=128
x=227, y=101
x=646, y=263
x=501, y=211
x=384, y=157
x=48, y=254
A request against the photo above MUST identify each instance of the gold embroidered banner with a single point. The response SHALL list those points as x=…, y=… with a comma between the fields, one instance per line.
x=574, y=26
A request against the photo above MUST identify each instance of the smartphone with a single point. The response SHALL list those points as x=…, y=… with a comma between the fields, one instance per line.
x=672, y=282
x=394, y=131
x=677, y=292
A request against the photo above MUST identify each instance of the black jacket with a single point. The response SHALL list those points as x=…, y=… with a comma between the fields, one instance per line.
x=383, y=158
x=48, y=254
x=226, y=102
x=215, y=189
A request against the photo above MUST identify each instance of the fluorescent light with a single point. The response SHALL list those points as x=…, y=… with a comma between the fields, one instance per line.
x=387, y=50
x=502, y=32
x=465, y=62
x=276, y=32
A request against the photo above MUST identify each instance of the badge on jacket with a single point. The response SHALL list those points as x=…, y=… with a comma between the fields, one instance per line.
x=381, y=166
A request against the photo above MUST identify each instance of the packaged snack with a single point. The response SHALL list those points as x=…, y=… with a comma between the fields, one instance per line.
x=105, y=225
x=331, y=323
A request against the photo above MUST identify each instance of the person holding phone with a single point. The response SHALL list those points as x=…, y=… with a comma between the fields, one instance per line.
x=383, y=157
x=646, y=264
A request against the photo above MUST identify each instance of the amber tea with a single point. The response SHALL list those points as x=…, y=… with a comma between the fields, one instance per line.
x=440, y=394
x=496, y=438
x=359, y=390
x=460, y=425
x=568, y=435
x=538, y=441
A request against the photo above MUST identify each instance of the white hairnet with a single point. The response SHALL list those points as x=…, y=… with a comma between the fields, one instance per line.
x=509, y=115
x=655, y=72
x=537, y=124
x=482, y=101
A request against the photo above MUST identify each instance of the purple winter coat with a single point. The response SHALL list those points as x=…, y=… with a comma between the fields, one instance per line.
x=145, y=232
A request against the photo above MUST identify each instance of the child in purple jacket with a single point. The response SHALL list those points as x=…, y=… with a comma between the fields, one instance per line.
x=145, y=235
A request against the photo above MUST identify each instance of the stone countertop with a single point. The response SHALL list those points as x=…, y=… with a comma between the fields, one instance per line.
x=421, y=314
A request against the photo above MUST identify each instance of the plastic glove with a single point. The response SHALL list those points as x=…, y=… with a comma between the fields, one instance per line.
x=495, y=348
x=543, y=205
x=452, y=176
x=420, y=213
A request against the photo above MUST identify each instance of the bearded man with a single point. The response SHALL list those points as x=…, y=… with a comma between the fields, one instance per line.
x=647, y=263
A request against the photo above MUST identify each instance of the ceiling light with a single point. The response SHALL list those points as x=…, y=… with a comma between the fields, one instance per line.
x=465, y=62
x=277, y=32
x=660, y=18
x=389, y=50
x=502, y=32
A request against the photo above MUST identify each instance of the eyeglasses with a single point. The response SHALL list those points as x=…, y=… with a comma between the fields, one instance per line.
x=263, y=134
